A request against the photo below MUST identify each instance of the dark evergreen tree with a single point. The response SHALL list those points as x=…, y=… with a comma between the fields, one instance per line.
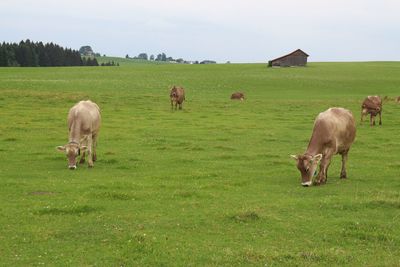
x=29, y=54
x=3, y=56
x=94, y=62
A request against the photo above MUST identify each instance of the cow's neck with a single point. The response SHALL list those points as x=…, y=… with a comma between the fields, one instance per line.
x=314, y=147
x=75, y=132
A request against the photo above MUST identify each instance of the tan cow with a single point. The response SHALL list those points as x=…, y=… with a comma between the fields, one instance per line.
x=334, y=132
x=177, y=96
x=237, y=96
x=83, y=123
x=372, y=105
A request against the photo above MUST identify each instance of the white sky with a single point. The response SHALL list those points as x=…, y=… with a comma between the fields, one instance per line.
x=222, y=30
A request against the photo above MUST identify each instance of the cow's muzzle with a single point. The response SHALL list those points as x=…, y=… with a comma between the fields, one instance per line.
x=306, y=184
x=72, y=167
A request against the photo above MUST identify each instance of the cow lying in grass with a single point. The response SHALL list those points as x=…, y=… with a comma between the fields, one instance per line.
x=334, y=132
x=83, y=123
x=237, y=96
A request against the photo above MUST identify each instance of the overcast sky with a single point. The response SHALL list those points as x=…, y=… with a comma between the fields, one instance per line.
x=222, y=30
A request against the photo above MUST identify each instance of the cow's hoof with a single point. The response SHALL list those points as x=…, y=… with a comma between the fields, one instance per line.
x=320, y=182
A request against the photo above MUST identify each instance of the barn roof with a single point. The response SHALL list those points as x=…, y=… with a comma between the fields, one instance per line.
x=298, y=50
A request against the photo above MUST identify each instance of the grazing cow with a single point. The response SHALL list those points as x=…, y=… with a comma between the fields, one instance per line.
x=373, y=106
x=334, y=132
x=177, y=96
x=237, y=96
x=83, y=123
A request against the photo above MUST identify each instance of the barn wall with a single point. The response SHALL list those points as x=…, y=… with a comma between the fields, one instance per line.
x=292, y=60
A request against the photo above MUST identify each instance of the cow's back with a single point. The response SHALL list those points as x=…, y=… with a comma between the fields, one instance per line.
x=372, y=103
x=180, y=94
x=86, y=114
x=335, y=126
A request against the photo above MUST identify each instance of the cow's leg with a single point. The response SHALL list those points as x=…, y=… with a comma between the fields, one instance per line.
x=323, y=169
x=172, y=104
x=343, y=173
x=380, y=117
x=89, y=150
x=94, y=147
x=180, y=105
x=371, y=120
x=82, y=158
x=362, y=116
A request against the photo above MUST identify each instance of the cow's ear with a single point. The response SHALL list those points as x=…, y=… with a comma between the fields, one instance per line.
x=60, y=148
x=317, y=158
x=83, y=148
x=294, y=157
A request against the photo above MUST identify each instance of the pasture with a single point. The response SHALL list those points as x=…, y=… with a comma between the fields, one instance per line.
x=211, y=185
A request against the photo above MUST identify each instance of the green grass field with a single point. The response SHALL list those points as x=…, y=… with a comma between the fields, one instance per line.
x=211, y=185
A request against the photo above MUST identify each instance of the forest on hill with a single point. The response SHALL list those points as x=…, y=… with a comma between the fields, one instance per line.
x=37, y=54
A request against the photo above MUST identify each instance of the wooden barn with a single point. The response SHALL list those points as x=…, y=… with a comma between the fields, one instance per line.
x=296, y=58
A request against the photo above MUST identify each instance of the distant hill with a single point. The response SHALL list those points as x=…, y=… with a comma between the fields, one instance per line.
x=128, y=61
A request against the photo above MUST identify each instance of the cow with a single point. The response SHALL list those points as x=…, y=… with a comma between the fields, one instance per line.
x=334, y=132
x=371, y=105
x=398, y=99
x=84, y=124
x=177, y=96
x=237, y=96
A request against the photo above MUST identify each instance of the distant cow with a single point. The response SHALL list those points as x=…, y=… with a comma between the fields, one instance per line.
x=334, y=132
x=83, y=123
x=398, y=99
x=237, y=96
x=177, y=96
x=372, y=105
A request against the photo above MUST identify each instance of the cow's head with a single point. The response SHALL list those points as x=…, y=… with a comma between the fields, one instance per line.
x=307, y=166
x=364, y=112
x=72, y=151
x=174, y=93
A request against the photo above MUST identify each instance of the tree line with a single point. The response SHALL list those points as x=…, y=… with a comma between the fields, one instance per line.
x=160, y=57
x=36, y=54
x=164, y=58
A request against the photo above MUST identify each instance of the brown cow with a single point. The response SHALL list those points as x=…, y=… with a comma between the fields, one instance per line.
x=373, y=106
x=83, y=123
x=334, y=132
x=237, y=96
x=177, y=96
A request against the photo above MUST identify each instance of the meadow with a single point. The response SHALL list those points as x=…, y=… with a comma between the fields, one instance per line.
x=210, y=185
